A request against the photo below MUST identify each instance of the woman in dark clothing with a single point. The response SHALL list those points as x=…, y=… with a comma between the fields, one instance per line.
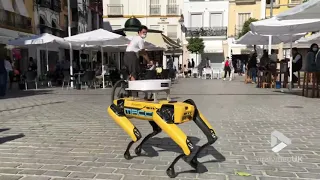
x=311, y=58
x=252, y=67
x=3, y=78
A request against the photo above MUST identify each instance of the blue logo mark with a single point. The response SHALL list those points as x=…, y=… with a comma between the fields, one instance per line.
x=137, y=112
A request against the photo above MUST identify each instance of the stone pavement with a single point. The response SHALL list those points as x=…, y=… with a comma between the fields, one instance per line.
x=67, y=135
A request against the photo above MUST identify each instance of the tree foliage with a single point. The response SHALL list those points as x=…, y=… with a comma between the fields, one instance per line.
x=246, y=26
x=305, y=1
x=195, y=45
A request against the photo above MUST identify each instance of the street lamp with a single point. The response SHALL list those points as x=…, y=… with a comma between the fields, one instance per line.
x=181, y=22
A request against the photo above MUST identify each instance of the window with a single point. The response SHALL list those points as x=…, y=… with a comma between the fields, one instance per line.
x=268, y=2
x=155, y=7
x=295, y=1
x=172, y=31
x=115, y=8
x=216, y=20
x=172, y=7
x=242, y=18
x=196, y=20
x=155, y=27
x=115, y=27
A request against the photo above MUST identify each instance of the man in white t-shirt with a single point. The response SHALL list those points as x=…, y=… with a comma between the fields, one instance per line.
x=135, y=49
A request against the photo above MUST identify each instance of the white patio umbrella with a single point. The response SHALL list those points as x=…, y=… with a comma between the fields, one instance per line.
x=307, y=10
x=99, y=37
x=276, y=27
x=42, y=39
x=251, y=38
x=314, y=38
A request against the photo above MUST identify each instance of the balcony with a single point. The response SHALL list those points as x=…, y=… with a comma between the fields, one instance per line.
x=155, y=10
x=56, y=6
x=115, y=10
x=53, y=5
x=44, y=3
x=245, y=1
x=293, y=3
x=15, y=21
x=172, y=10
x=206, y=31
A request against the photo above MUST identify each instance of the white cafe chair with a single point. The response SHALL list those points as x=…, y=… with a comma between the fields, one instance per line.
x=207, y=72
x=216, y=72
x=195, y=72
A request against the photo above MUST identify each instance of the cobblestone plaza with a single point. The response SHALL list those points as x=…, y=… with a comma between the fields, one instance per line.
x=55, y=134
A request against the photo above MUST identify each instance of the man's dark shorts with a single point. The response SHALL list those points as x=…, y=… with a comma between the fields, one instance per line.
x=131, y=62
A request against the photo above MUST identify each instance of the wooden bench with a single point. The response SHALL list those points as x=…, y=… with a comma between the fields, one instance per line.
x=315, y=83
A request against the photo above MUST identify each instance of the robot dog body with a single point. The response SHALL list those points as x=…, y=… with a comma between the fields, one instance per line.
x=162, y=115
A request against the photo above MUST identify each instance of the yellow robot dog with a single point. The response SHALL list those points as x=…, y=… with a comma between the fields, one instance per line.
x=162, y=115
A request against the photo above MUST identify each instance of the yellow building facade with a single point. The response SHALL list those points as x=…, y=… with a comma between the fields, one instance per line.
x=240, y=11
x=280, y=6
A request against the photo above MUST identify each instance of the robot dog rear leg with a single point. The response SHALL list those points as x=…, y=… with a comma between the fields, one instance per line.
x=178, y=136
x=156, y=130
x=206, y=128
x=119, y=117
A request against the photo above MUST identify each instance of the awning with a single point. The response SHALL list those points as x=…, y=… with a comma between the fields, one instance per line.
x=7, y=5
x=170, y=42
x=7, y=35
x=21, y=8
x=213, y=47
x=154, y=38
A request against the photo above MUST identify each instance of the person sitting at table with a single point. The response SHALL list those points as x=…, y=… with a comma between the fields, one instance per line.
x=273, y=56
x=296, y=64
x=151, y=66
x=264, y=60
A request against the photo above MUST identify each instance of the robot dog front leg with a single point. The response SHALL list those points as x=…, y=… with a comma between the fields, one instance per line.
x=206, y=128
x=118, y=115
x=177, y=135
x=156, y=130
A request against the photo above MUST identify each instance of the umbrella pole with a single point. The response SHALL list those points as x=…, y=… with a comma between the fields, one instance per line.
x=270, y=44
x=291, y=59
x=47, y=58
x=71, y=65
x=102, y=59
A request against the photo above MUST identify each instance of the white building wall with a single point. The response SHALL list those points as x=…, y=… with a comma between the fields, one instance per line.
x=141, y=10
x=213, y=44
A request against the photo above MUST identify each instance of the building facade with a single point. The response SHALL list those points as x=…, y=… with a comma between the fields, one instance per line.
x=16, y=18
x=280, y=6
x=239, y=12
x=208, y=20
x=160, y=15
x=16, y=21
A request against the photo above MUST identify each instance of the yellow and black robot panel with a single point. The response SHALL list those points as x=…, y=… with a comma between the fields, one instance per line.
x=173, y=111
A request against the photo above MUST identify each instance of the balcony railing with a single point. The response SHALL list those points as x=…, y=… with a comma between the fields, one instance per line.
x=172, y=10
x=206, y=31
x=56, y=6
x=245, y=1
x=155, y=9
x=13, y=20
x=53, y=5
x=115, y=10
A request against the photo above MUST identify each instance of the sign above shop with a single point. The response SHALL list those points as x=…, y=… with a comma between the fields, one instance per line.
x=163, y=20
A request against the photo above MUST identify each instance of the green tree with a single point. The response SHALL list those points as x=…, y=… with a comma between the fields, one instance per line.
x=196, y=45
x=305, y=1
x=246, y=26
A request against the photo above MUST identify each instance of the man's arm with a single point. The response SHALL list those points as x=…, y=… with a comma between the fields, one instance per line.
x=143, y=52
x=297, y=58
